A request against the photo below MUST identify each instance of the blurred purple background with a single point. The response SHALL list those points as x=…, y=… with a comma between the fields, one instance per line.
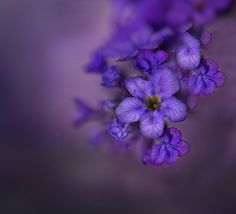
x=46, y=164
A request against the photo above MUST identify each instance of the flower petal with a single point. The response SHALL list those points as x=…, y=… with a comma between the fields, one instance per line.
x=138, y=87
x=188, y=57
x=165, y=82
x=130, y=110
x=152, y=125
x=174, y=109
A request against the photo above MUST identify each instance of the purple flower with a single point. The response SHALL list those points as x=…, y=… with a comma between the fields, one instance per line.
x=83, y=112
x=111, y=77
x=205, y=10
x=118, y=129
x=179, y=15
x=188, y=52
x=147, y=60
x=167, y=149
x=152, y=101
x=127, y=40
x=97, y=64
x=206, y=38
x=205, y=78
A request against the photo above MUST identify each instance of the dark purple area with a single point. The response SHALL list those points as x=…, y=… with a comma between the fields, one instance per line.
x=47, y=166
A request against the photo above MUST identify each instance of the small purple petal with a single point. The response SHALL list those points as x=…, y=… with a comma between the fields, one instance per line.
x=111, y=77
x=152, y=125
x=188, y=52
x=174, y=109
x=130, y=110
x=138, y=87
x=165, y=82
x=188, y=57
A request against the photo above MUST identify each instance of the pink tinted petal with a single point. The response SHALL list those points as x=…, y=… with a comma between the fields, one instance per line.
x=130, y=110
x=174, y=109
x=152, y=125
x=219, y=79
x=183, y=147
x=165, y=82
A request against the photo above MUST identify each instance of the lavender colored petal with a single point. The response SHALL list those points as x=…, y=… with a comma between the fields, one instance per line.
x=195, y=84
x=209, y=87
x=165, y=83
x=130, y=110
x=174, y=109
x=188, y=57
x=152, y=124
x=138, y=87
x=171, y=155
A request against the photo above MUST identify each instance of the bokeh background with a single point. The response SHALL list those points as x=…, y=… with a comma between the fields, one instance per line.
x=46, y=165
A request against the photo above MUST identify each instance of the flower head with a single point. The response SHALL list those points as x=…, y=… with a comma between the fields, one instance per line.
x=111, y=77
x=152, y=101
x=118, y=129
x=167, y=149
x=147, y=61
x=205, y=78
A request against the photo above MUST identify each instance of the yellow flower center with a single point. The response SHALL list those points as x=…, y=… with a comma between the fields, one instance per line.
x=153, y=103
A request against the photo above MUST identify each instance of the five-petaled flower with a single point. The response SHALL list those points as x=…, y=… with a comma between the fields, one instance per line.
x=152, y=101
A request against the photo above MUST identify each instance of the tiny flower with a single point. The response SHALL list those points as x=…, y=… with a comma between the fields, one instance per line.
x=152, y=101
x=206, y=38
x=188, y=52
x=147, y=61
x=205, y=10
x=83, y=112
x=205, y=78
x=167, y=149
x=97, y=64
x=118, y=129
x=111, y=77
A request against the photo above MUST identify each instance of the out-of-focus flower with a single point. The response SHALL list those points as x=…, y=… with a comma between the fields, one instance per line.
x=167, y=149
x=97, y=64
x=205, y=78
x=118, y=129
x=151, y=102
x=147, y=61
x=111, y=77
x=83, y=112
x=205, y=10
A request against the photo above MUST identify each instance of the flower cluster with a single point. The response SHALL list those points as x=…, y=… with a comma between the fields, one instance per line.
x=154, y=67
